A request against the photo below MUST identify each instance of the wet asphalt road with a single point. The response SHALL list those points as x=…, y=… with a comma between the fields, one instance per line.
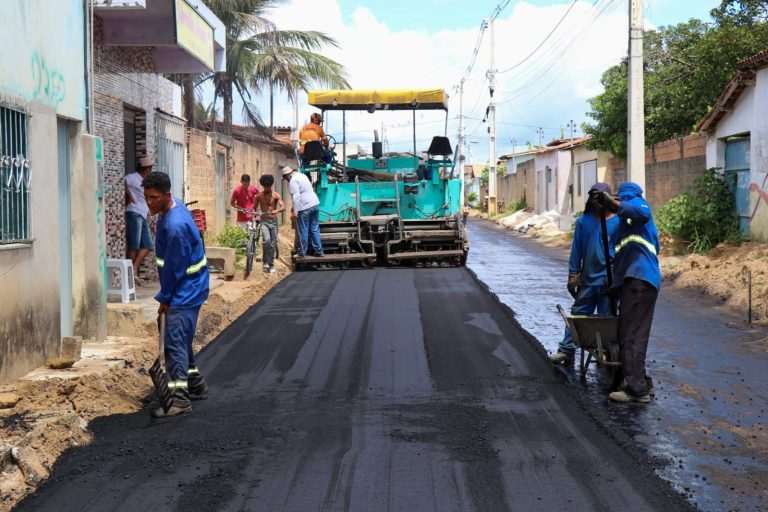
x=707, y=425
x=378, y=390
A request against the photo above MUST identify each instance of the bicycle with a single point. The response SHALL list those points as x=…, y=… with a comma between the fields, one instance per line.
x=254, y=233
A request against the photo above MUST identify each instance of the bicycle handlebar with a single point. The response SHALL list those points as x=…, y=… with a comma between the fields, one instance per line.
x=258, y=213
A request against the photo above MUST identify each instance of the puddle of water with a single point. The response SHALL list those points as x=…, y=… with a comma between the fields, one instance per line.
x=708, y=416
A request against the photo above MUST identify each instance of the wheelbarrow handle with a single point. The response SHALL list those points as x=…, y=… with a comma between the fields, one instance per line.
x=562, y=312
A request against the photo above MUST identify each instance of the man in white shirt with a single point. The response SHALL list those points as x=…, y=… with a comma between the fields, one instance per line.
x=305, y=211
x=137, y=237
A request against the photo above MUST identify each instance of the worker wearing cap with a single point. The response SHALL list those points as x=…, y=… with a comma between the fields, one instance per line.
x=305, y=210
x=138, y=239
x=588, y=269
x=638, y=280
x=313, y=131
x=184, y=283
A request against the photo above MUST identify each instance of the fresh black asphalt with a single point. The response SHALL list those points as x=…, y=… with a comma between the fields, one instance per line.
x=365, y=390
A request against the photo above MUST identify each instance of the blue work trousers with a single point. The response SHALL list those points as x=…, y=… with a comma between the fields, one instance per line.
x=180, y=325
x=588, y=300
x=308, y=222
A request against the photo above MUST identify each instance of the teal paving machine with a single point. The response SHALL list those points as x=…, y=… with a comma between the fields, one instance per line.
x=387, y=209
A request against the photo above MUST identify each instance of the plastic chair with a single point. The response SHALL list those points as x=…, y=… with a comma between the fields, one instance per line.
x=127, y=288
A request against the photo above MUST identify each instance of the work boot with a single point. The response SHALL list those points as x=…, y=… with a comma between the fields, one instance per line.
x=560, y=357
x=198, y=388
x=180, y=404
x=624, y=397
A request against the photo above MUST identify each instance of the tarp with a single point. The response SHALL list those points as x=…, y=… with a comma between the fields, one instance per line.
x=405, y=99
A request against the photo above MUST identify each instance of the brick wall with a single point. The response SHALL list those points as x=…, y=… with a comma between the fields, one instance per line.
x=201, y=175
x=252, y=158
x=670, y=168
x=124, y=77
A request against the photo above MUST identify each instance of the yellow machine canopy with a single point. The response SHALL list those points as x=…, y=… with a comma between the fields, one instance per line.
x=405, y=99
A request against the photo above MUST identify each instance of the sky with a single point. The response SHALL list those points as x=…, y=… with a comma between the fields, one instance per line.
x=542, y=82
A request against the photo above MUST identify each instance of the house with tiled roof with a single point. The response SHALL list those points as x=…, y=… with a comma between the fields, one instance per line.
x=737, y=141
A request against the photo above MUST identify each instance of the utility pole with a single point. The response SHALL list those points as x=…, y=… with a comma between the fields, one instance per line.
x=460, y=150
x=540, y=133
x=514, y=169
x=492, y=127
x=636, y=117
x=572, y=128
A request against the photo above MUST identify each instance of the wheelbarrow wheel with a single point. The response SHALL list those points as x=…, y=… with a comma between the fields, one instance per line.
x=614, y=372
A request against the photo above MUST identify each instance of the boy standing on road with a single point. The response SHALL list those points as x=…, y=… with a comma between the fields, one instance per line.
x=137, y=236
x=270, y=204
x=183, y=273
x=305, y=211
x=638, y=278
x=587, y=274
x=244, y=197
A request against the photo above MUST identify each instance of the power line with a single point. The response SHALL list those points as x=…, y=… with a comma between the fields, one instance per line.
x=542, y=42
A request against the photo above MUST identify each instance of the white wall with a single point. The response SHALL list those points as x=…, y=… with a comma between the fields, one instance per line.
x=42, y=57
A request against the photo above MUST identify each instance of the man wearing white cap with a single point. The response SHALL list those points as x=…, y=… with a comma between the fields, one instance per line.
x=305, y=210
x=138, y=240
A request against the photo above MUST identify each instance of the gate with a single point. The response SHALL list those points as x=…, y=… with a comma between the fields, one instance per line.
x=170, y=151
x=737, y=169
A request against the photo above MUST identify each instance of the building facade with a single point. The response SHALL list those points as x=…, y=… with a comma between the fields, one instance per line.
x=737, y=142
x=51, y=251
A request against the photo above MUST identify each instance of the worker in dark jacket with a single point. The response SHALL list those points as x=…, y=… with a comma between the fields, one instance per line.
x=587, y=274
x=638, y=280
x=183, y=273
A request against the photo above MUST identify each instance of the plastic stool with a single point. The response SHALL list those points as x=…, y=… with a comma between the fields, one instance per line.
x=127, y=289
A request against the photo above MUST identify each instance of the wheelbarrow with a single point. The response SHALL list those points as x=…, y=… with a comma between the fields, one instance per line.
x=598, y=340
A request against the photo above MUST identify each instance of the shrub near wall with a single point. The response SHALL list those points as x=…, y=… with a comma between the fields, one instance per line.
x=704, y=215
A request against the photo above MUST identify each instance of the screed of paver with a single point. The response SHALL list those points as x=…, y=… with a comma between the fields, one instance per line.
x=379, y=390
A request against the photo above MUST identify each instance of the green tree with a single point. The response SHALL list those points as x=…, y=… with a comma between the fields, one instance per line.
x=259, y=55
x=686, y=68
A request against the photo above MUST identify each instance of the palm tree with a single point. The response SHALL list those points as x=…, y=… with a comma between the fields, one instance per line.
x=259, y=55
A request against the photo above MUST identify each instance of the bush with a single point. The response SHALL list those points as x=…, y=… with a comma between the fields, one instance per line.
x=518, y=205
x=704, y=215
x=472, y=199
x=234, y=237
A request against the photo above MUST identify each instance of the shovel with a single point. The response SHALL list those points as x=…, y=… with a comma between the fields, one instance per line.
x=157, y=370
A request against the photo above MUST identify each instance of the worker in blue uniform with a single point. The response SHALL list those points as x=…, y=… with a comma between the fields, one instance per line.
x=183, y=273
x=637, y=280
x=587, y=268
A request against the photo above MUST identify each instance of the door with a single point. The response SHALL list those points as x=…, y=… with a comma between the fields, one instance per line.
x=737, y=169
x=590, y=175
x=65, y=230
x=220, y=188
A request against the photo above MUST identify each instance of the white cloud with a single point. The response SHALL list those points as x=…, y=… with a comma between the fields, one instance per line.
x=547, y=90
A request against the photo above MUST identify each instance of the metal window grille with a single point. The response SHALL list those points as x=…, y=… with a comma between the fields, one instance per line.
x=15, y=177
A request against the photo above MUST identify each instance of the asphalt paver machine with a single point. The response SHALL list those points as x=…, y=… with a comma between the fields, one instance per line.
x=393, y=208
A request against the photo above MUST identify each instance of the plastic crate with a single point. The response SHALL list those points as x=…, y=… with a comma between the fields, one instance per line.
x=198, y=216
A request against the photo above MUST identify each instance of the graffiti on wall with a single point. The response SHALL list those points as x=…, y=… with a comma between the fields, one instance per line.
x=48, y=82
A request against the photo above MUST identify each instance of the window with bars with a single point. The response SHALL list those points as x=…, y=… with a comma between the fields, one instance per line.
x=15, y=176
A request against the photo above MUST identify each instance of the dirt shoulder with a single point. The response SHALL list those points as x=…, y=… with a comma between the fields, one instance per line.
x=722, y=274
x=39, y=419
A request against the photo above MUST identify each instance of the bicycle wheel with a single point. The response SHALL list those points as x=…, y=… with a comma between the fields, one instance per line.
x=250, y=254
